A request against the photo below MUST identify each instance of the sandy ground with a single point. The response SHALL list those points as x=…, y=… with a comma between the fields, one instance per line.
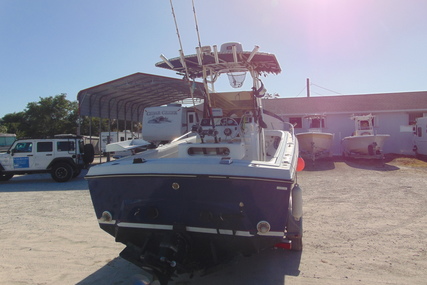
x=364, y=223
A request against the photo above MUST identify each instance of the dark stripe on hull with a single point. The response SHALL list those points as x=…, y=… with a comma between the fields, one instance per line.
x=204, y=205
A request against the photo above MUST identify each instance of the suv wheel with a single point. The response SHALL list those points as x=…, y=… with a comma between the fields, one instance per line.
x=5, y=177
x=88, y=153
x=62, y=172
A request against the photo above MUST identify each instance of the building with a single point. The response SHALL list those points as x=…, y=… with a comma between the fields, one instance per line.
x=395, y=114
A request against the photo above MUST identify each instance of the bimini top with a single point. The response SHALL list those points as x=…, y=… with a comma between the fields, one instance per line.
x=230, y=57
x=127, y=97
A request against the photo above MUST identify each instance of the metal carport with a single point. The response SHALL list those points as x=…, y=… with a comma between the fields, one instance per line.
x=125, y=98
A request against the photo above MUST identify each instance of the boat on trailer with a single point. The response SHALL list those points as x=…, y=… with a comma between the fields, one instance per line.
x=420, y=137
x=228, y=186
x=315, y=143
x=364, y=142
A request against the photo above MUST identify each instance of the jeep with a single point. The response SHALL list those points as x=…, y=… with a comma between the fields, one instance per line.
x=63, y=157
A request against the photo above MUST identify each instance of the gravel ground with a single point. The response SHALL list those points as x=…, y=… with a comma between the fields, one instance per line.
x=364, y=223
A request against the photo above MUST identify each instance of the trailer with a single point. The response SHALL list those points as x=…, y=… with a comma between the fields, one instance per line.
x=6, y=140
x=114, y=137
x=163, y=124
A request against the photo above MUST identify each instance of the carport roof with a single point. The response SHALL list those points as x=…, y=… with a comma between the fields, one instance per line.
x=127, y=97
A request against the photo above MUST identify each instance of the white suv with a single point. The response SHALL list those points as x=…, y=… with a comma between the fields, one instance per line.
x=63, y=156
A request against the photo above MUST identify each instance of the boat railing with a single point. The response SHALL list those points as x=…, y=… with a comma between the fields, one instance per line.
x=283, y=154
x=291, y=129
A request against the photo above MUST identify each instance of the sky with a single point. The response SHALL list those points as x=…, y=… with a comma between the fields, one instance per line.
x=344, y=47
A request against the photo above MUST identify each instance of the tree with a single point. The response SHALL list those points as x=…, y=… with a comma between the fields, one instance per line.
x=86, y=129
x=57, y=115
x=50, y=116
x=12, y=122
x=46, y=118
x=3, y=129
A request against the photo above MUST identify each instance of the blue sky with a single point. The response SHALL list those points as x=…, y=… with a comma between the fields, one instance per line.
x=345, y=47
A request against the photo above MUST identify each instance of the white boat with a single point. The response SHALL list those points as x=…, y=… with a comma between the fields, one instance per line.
x=364, y=141
x=315, y=143
x=127, y=147
x=420, y=137
x=226, y=187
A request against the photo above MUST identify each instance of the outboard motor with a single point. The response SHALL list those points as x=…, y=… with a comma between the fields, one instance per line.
x=160, y=257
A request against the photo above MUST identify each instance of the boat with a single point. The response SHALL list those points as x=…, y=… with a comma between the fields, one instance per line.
x=127, y=147
x=228, y=186
x=364, y=142
x=420, y=138
x=315, y=143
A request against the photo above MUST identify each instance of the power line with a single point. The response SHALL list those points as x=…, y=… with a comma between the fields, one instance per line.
x=326, y=89
x=313, y=84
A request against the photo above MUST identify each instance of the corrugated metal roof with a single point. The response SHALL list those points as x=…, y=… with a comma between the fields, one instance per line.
x=384, y=102
x=127, y=97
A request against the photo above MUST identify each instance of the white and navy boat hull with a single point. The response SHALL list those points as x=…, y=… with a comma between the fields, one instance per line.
x=220, y=208
x=219, y=205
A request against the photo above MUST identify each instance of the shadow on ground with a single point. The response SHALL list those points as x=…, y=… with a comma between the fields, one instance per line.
x=118, y=271
x=371, y=164
x=42, y=182
x=320, y=164
x=324, y=164
x=390, y=162
x=269, y=267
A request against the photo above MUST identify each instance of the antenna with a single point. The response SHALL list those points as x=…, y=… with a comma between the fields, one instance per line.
x=176, y=25
x=197, y=26
x=181, y=55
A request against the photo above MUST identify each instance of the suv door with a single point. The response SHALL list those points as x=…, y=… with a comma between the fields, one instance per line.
x=67, y=148
x=23, y=155
x=43, y=154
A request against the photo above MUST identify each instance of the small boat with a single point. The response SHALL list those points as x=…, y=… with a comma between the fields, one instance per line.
x=228, y=186
x=315, y=143
x=364, y=143
x=127, y=147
